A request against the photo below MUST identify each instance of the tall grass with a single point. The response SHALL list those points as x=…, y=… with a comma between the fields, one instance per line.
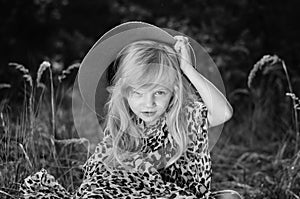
x=258, y=154
x=265, y=66
x=31, y=141
x=278, y=174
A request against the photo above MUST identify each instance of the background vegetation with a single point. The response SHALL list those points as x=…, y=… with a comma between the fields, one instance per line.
x=257, y=154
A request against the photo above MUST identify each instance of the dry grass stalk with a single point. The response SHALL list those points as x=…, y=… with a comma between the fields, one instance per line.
x=26, y=156
x=46, y=65
x=263, y=66
x=75, y=141
x=25, y=71
x=68, y=71
x=40, y=72
x=294, y=105
x=294, y=168
x=28, y=78
x=5, y=86
x=297, y=100
x=2, y=123
x=72, y=141
x=52, y=112
x=293, y=194
x=4, y=193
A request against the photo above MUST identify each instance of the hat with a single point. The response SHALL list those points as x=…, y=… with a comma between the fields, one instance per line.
x=92, y=75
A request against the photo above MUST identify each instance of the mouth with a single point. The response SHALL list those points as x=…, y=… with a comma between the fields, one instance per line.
x=148, y=113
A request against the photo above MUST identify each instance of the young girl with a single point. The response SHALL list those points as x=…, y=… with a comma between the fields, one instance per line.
x=155, y=141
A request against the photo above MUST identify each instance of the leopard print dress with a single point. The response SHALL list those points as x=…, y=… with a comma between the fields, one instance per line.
x=188, y=177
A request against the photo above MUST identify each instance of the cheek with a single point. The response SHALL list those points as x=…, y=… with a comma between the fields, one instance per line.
x=165, y=102
x=130, y=102
x=133, y=103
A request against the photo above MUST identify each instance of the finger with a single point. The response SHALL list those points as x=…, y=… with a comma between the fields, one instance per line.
x=179, y=42
x=186, y=40
x=180, y=45
x=178, y=37
x=181, y=38
x=177, y=47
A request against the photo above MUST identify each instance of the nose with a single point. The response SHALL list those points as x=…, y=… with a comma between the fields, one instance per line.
x=150, y=100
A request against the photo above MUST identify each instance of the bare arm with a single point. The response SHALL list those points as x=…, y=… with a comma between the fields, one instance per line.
x=219, y=109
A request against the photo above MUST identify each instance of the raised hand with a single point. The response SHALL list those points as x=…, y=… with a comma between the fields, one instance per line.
x=183, y=49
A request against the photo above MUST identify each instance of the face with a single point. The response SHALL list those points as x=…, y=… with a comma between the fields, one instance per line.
x=149, y=103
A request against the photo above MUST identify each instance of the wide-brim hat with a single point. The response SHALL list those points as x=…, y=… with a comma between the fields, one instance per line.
x=92, y=75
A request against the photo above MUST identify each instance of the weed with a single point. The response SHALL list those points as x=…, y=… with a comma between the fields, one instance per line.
x=286, y=177
x=29, y=143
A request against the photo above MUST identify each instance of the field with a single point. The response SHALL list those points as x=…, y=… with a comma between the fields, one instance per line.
x=258, y=153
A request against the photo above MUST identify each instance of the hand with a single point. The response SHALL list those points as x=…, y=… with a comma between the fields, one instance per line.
x=182, y=48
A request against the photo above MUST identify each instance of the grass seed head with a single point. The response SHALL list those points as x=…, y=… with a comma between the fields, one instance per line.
x=68, y=71
x=5, y=86
x=297, y=100
x=40, y=72
x=264, y=66
x=24, y=71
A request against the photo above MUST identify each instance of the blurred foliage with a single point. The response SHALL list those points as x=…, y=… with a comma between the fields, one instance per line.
x=236, y=33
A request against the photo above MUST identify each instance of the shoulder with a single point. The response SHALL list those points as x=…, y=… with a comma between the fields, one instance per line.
x=195, y=112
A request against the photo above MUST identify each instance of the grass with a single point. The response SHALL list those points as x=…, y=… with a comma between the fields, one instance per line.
x=39, y=137
x=257, y=154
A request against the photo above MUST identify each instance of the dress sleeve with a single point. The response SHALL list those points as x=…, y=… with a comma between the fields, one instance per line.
x=196, y=114
x=102, y=151
x=43, y=185
x=197, y=154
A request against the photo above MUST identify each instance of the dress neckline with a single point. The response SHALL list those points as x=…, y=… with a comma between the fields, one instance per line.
x=153, y=128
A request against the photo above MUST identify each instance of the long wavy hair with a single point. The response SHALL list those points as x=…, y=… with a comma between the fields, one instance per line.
x=145, y=64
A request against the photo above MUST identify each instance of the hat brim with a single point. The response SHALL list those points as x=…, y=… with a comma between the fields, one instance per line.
x=92, y=78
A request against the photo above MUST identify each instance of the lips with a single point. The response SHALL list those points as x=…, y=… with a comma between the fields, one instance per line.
x=148, y=113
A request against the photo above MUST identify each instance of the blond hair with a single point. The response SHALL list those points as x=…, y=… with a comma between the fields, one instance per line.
x=146, y=63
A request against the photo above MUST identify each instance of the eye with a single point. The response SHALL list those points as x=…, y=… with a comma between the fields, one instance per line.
x=158, y=93
x=136, y=93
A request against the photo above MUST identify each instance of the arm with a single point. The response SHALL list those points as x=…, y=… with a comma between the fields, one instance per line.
x=219, y=109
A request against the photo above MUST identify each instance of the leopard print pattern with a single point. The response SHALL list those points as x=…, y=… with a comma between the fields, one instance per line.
x=188, y=177
x=43, y=185
x=193, y=171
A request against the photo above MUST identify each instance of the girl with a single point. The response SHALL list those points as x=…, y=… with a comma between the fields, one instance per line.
x=155, y=139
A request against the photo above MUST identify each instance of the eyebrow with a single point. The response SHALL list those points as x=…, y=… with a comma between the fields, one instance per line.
x=161, y=88
x=158, y=87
